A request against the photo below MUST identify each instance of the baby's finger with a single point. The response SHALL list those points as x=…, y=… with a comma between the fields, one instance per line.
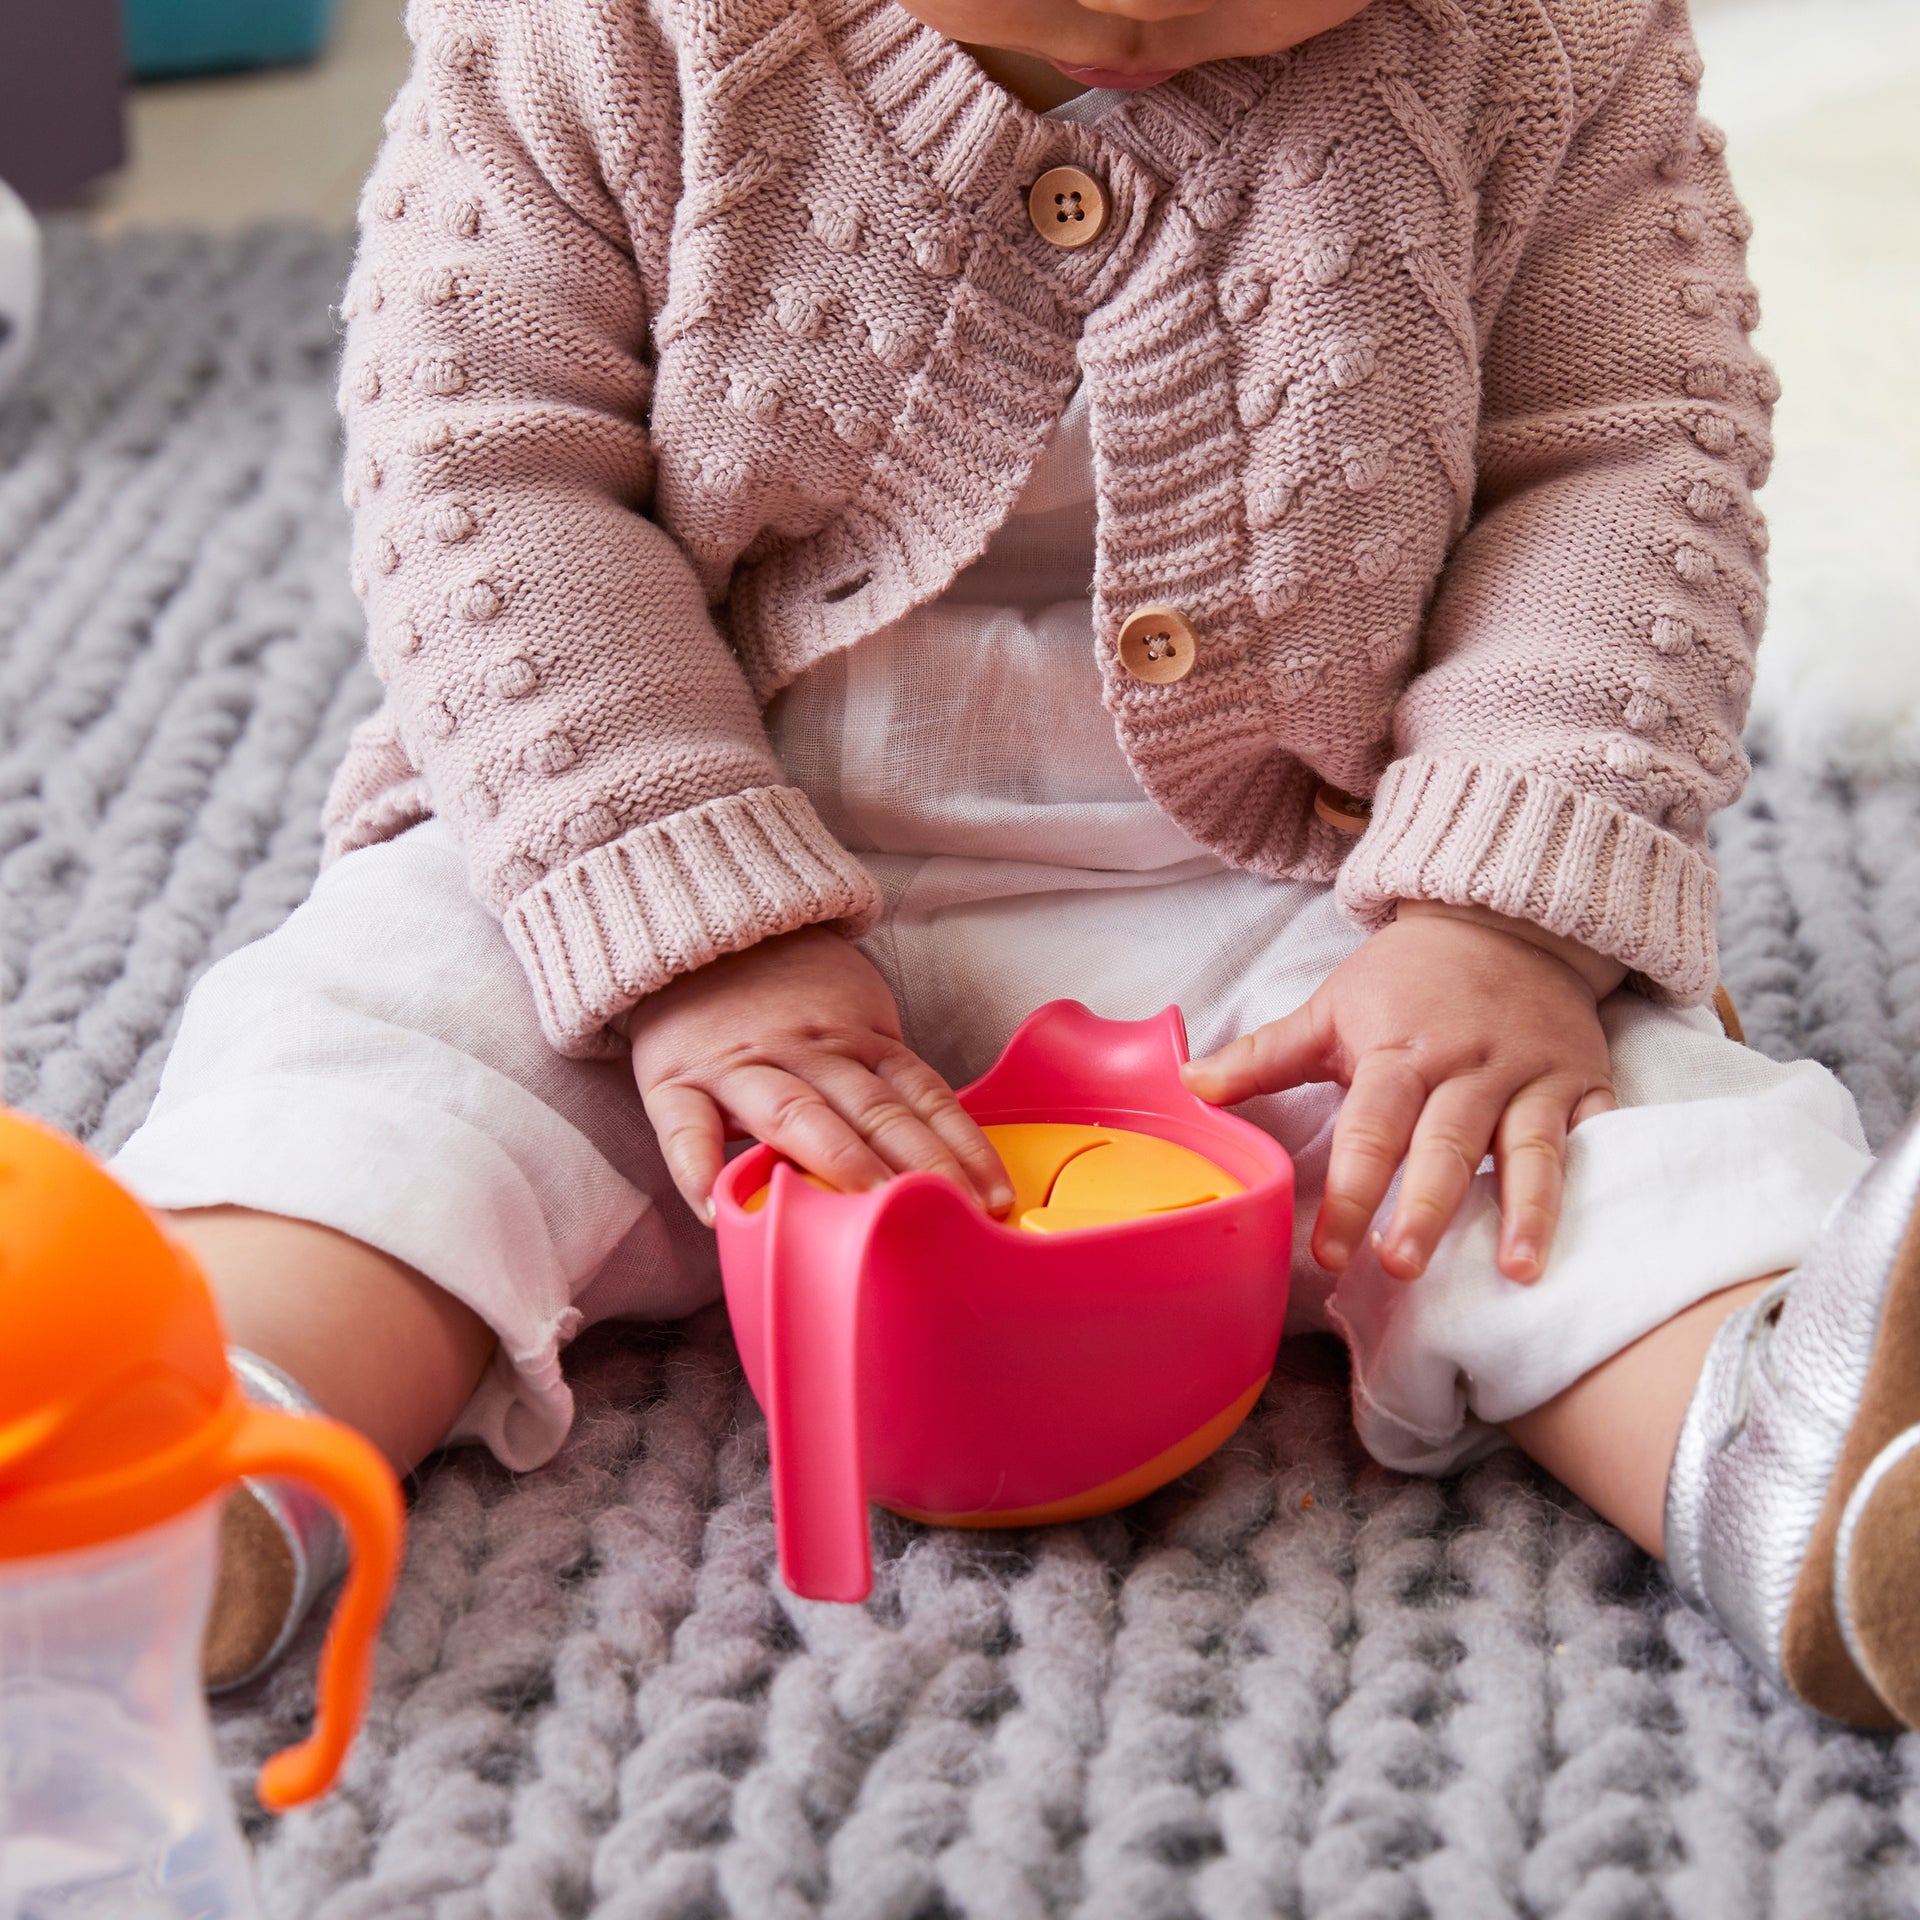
x=935, y=1102
x=1455, y=1130
x=794, y=1117
x=885, y=1119
x=1370, y=1139
x=1530, y=1150
x=1287, y=1052
x=692, y=1141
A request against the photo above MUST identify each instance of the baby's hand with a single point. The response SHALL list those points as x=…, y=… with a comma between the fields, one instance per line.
x=796, y=1041
x=1455, y=1031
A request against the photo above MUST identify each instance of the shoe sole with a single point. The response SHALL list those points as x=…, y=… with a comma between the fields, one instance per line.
x=1875, y=1559
x=1813, y=1651
x=253, y=1596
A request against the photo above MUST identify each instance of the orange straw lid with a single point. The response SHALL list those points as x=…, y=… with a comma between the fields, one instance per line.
x=118, y=1411
x=115, y=1399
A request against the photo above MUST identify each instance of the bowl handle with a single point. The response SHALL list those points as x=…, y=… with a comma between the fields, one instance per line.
x=816, y=1259
x=1063, y=1053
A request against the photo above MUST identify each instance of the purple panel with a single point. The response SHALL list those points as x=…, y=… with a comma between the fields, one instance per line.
x=62, y=115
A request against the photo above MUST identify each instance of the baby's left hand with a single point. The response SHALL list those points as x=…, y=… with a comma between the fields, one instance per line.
x=1455, y=1032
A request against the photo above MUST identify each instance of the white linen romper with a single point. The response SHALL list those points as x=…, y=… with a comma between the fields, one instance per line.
x=376, y=1065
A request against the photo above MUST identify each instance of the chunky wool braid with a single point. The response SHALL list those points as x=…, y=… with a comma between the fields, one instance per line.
x=179, y=656
x=1418, y=380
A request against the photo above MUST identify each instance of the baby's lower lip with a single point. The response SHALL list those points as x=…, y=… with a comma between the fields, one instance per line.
x=1116, y=77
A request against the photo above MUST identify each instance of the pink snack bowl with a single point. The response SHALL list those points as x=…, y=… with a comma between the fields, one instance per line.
x=908, y=1349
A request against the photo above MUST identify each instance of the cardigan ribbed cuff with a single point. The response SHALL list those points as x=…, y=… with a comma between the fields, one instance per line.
x=1532, y=847
x=625, y=918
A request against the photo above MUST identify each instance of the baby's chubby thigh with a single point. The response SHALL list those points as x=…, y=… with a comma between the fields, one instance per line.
x=376, y=1065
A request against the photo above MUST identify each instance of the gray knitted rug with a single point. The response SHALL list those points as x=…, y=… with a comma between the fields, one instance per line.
x=1292, y=1684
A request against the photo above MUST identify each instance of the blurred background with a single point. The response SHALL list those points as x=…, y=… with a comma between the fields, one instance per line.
x=195, y=112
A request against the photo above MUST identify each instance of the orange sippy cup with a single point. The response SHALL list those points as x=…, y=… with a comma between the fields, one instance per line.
x=120, y=1429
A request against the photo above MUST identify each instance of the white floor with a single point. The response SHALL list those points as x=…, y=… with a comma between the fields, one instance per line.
x=293, y=143
x=1821, y=102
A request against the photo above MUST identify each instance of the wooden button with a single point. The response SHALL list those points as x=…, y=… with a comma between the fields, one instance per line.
x=1068, y=207
x=1344, y=812
x=1158, y=645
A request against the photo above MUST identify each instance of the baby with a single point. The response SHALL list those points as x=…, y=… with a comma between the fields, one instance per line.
x=876, y=514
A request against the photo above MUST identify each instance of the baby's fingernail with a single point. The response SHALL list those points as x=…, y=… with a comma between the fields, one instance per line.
x=1000, y=1199
x=1334, y=1255
x=1526, y=1257
x=1404, y=1251
x=708, y=1210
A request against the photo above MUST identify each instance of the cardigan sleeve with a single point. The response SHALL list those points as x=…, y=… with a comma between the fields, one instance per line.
x=1588, y=656
x=556, y=688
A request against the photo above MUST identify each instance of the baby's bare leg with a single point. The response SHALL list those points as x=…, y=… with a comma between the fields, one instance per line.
x=375, y=1342
x=372, y=1340
x=1610, y=1436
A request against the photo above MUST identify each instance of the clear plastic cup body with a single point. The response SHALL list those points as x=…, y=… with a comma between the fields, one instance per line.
x=112, y=1805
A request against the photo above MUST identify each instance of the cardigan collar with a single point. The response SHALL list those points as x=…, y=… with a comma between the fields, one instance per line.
x=974, y=148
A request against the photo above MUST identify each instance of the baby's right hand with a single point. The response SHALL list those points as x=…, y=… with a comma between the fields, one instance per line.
x=796, y=1041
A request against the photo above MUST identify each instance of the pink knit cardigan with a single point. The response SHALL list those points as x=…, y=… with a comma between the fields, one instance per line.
x=690, y=340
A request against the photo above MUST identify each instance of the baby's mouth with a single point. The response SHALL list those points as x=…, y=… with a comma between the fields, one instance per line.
x=1122, y=79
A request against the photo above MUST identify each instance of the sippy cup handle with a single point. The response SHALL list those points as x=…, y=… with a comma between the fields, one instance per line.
x=355, y=1480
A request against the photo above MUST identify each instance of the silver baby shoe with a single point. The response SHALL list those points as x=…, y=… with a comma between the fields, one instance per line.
x=1793, y=1504
x=281, y=1548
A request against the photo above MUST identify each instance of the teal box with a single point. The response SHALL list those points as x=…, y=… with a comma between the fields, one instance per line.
x=202, y=36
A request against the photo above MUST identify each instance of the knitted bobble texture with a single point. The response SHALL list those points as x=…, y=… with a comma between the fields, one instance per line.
x=505, y=412
x=660, y=308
